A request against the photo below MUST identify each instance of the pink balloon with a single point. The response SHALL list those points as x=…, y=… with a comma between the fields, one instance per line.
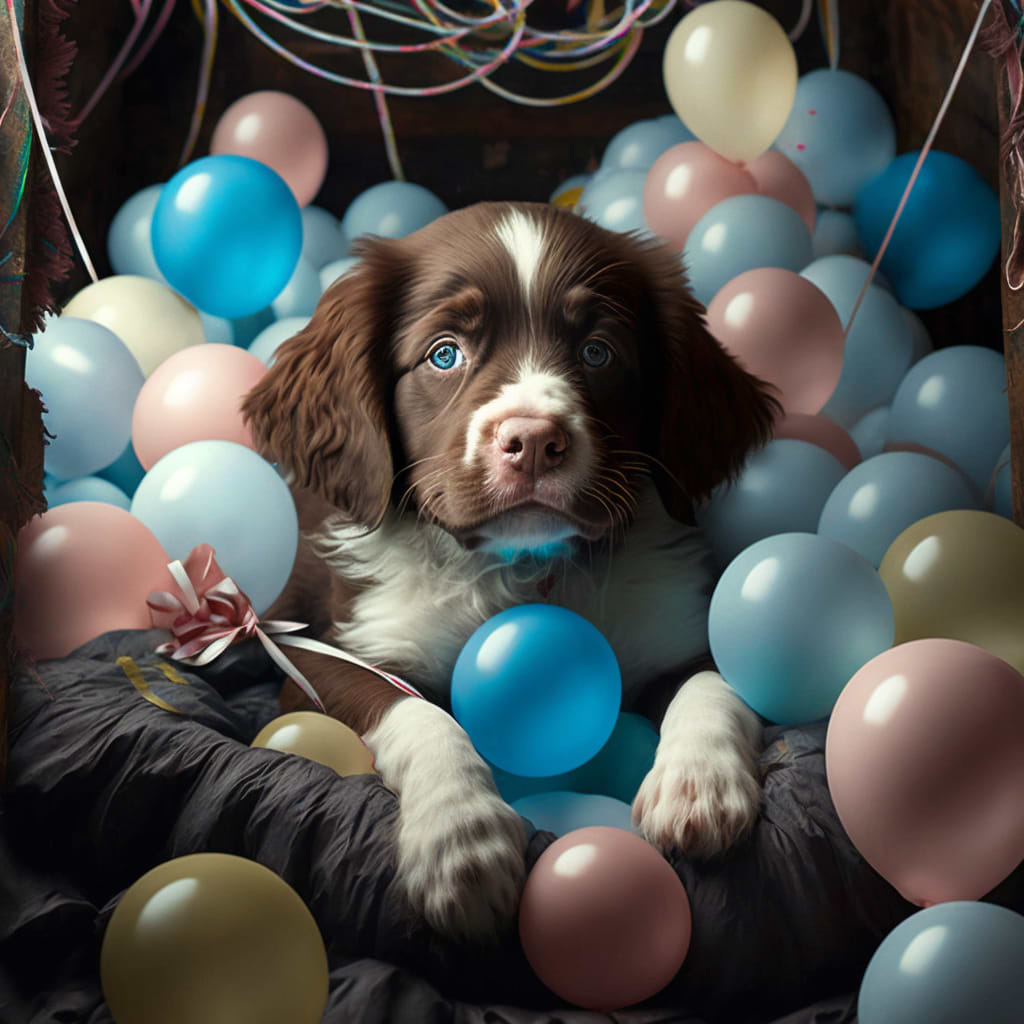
x=684, y=183
x=820, y=430
x=194, y=395
x=604, y=919
x=778, y=177
x=784, y=330
x=925, y=762
x=280, y=131
x=82, y=569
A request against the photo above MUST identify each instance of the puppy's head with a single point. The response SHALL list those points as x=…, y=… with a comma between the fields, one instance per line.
x=513, y=372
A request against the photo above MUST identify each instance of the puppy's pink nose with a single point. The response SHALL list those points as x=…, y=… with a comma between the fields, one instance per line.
x=531, y=444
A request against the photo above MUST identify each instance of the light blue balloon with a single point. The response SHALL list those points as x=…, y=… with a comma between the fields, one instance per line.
x=246, y=328
x=835, y=234
x=391, y=209
x=217, y=329
x=878, y=346
x=870, y=431
x=223, y=494
x=129, y=247
x=782, y=488
x=840, y=133
x=742, y=233
x=638, y=145
x=616, y=201
x=267, y=342
x=89, y=381
x=562, y=812
x=300, y=295
x=322, y=238
x=954, y=402
x=88, y=488
x=948, y=233
x=538, y=689
x=331, y=273
x=125, y=472
x=1002, y=496
x=950, y=963
x=879, y=498
x=792, y=618
x=576, y=181
x=923, y=344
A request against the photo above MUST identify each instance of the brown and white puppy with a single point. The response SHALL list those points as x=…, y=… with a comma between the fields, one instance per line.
x=511, y=405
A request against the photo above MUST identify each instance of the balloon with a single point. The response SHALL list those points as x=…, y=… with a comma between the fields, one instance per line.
x=778, y=177
x=874, y=503
x=781, y=489
x=781, y=328
x=871, y=430
x=280, y=131
x=799, y=426
x=684, y=183
x=224, y=494
x=212, y=937
x=88, y=488
x=739, y=234
x=88, y=379
x=568, y=193
x=391, y=209
x=959, y=574
x=954, y=402
x=835, y=234
x=195, y=395
x=561, y=812
x=947, y=236
x=146, y=315
x=125, y=472
x=730, y=74
x=879, y=342
x=926, y=767
x=128, y=243
x=638, y=145
x=82, y=569
x=922, y=339
x=615, y=201
x=227, y=234
x=941, y=965
x=538, y=689
x=792, y=618
x=1002, y=491
x=247, y=327
x=331, y=273
x=322, y=238
x=217, y=329
x=300, y=295
x=267, y=342
x=593, y=940
x=320, y=738
x=839, y=132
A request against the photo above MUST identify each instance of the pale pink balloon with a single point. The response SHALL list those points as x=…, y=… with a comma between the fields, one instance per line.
x=820, y=430
x=684, y=183
x=280, y=131
x=778, y=177
x=925, y=763
x=783, y=329
x=82, y=569
x=194, y=395
x=604, y=919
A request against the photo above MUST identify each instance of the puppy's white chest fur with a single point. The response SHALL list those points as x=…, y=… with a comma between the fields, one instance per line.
x=423, y=595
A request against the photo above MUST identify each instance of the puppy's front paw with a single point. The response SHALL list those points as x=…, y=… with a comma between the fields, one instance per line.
x=700, y=800
x=462, y=863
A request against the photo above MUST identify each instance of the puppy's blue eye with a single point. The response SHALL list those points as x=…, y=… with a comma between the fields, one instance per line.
x=447, y=356
x=596, y=353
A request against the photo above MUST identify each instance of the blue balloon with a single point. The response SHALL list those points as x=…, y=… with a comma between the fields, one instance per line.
x=392, y=209
x=217, y=329
x=792, y=618
x=835, y=234
x=954, y=402
x=300, y=295
x=1002, y=495
x=870, y=431
x=923, y=344
x=616, y=201
x=742, y=233
x=878, y=346
x=322, y=238
x=331, y=273
x=538, y=689
x=953, y=962
x=125, y=472
x=87, y=488
x=223, y=494
x=227, y=233
x=638, y=145
x=266, y=343
x=129, y=246
x=561, y=812
x=782, y=488
x=89, y=381
x=879, y=498
x=246, y=328
x=947, y=236
x=839, y=133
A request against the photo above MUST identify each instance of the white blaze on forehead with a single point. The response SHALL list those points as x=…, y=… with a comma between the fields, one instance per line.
x=524, y=240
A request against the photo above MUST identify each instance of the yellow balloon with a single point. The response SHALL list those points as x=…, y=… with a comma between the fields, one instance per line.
x=213, y=939
x=959, y=575
x=730, y=73
x=320, y=738
x=151, y=319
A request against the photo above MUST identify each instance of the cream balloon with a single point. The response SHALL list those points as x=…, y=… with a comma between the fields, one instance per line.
x=730, y=73
x=320, y=738
x=151, y=319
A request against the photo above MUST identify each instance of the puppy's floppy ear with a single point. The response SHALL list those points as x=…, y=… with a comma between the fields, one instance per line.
x=713, y=413
x=322, y=410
